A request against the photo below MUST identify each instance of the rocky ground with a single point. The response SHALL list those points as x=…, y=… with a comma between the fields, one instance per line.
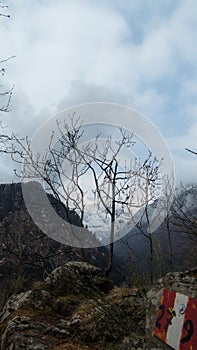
x=78, y=308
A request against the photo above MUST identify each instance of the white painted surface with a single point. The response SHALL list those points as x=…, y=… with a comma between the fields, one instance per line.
x=175, y=329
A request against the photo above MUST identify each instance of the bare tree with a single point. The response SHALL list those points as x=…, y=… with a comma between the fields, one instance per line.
x=117, y=190
x=185, y=214
x=116, y=186
x=5, y=94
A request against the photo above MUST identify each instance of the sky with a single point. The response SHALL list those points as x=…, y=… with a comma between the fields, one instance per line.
x=138, y=53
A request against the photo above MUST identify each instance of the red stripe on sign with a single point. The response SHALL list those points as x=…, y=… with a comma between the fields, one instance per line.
x=164, y=313
x=189, y=331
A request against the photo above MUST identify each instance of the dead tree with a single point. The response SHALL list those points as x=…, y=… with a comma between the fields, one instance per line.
x=116, y=186
x=5, y=95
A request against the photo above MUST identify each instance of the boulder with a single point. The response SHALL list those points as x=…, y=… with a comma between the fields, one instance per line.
x=77, y=278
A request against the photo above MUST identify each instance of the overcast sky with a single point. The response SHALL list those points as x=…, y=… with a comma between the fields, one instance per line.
x=139, y=53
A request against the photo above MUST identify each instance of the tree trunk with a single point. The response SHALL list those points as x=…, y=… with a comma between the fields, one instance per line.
x=111, y=249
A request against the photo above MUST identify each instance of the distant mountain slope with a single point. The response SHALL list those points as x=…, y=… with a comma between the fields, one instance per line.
x=176, y=236
x=11, y=199
x=28, y=252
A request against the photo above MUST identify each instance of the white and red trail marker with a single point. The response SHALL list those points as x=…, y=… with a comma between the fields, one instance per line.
x=176, y=322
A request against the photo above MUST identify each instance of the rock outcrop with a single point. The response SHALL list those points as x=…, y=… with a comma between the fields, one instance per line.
x=77, y=278
x=77, y=307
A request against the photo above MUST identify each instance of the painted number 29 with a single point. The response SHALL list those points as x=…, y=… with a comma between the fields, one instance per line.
x=188, y=325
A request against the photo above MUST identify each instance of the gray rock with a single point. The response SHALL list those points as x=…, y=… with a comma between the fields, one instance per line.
x=57, y=332
x=77, y=278
x=30, y=299
x=62, y=324
x=131, y=343
x=15, y=336
x=75, y=321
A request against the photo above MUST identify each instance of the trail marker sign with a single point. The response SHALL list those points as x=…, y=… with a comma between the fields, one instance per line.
x=176, y=321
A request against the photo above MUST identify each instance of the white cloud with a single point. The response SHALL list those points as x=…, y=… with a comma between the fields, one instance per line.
x=185, y=162
x=187, y=140
x=186, y=169
x=139, y=53
x=63, y=42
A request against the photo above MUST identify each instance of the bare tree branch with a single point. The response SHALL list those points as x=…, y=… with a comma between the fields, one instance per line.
x=189, y=150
